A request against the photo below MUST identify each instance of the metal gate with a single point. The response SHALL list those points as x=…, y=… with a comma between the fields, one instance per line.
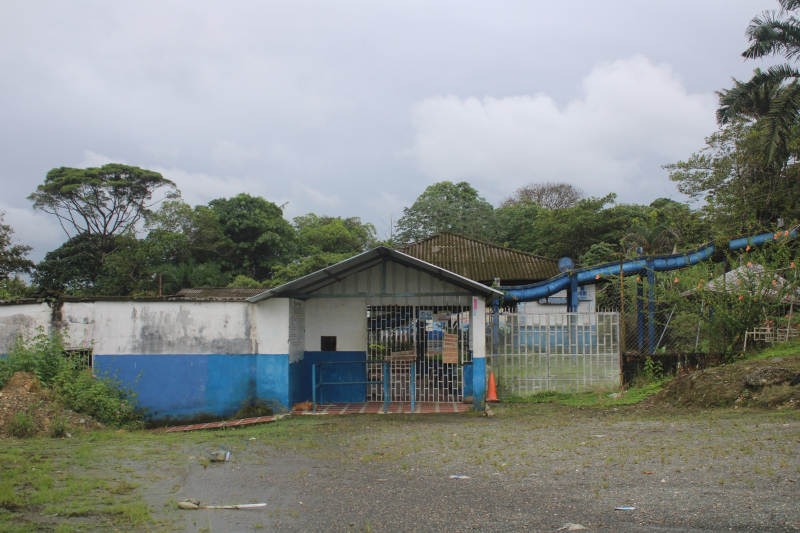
x=435, y=338
x=563, y=351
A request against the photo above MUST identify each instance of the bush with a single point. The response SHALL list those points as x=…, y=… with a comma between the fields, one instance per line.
x=58, y=428
x=106, y=398
x=21, y=426
x=42, y=354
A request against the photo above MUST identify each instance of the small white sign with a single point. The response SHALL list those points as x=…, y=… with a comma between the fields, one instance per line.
x=425, y=314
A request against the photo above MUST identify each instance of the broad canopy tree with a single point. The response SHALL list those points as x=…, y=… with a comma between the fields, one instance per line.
x=447, y=206
x=102, y=203
x=261, y=239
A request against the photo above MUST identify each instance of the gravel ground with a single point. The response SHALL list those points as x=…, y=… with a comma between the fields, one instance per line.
x=530, y=468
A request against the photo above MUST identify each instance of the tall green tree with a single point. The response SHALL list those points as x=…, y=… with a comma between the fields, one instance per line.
x=101, y=204
x=548, y=195
x=325, y=241
x=452, y=207
x=652, y=240
x=261, y=239
x=740, y=189
x=335, y=235
x=178, y=233
x=73, y=267
x=773, y=33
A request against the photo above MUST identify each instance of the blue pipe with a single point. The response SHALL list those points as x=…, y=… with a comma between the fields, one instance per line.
x=660, y=263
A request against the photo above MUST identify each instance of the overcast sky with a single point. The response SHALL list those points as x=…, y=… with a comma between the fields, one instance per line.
x=354, y=107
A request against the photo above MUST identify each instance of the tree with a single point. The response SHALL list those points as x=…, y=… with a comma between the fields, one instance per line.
x=261, y=239
x=548, y=195
x=774, y=33
x=73, y=267
x=178, y=233
x=325, y=234
x=572, y=231
x=100, y=204
x=452, y=207
x=652, y=240
x=739, y=187
x=12, y=256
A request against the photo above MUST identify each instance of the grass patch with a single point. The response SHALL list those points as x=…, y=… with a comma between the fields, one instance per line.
x=597, y=399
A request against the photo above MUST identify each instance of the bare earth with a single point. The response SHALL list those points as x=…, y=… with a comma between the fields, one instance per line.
x=530, y=468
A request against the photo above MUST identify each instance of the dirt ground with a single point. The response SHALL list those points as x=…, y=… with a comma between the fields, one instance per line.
x=529, y=468
x=728, y=462
x=22, y=394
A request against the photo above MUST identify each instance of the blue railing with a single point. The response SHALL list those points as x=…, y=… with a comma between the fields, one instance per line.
x=386, y=381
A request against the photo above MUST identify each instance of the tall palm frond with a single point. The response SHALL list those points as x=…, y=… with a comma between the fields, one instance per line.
x=773, y=33
x=751, y=99
x=652, y=240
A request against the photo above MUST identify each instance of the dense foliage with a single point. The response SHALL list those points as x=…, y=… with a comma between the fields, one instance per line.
x=103, y=397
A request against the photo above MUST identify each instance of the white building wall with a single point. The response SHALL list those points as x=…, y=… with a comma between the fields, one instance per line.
x=157, y=327
x=344, y=318
x=272, y=326
x=586, y=303
x=21, y=319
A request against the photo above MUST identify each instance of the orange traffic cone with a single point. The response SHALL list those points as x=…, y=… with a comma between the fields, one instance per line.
x=492, y=396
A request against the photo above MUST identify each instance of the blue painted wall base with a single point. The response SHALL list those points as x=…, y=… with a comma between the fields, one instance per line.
x=479, y=384
x=183, y=387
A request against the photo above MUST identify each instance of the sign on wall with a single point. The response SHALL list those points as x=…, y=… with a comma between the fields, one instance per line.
x=450, y=348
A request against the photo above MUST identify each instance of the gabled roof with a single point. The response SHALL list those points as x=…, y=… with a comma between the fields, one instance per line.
x=479, y=260
x=335, y=273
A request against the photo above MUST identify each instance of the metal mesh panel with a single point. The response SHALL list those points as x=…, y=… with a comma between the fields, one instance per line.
x=436, y=338
x=558, y=351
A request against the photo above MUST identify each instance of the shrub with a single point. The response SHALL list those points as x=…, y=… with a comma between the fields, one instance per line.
x=106, y=398
x=21, y=425
x=58, y=428
x=42, y=354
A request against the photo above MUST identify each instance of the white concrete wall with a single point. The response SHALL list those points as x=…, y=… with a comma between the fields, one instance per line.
x=272, y=326
x=21, y=319
x=170, y=327
x=344, y=318
x=584, y=306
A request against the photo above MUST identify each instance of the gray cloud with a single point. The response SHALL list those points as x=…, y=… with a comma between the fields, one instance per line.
x=342, y=108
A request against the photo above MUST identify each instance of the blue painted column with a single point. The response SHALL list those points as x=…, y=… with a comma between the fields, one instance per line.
x=572, y=295
x=651, y=307
x=640, y=312
x=477, y=333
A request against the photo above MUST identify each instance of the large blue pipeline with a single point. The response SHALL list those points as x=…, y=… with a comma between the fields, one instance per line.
x=646, y=265
x=654, y=263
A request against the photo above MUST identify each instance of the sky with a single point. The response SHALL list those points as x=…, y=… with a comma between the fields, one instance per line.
x=354, y=107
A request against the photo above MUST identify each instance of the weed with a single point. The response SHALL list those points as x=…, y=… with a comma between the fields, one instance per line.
x=58, y=428
x=21, y=426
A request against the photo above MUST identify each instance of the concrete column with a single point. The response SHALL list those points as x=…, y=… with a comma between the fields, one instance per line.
x=477, y=337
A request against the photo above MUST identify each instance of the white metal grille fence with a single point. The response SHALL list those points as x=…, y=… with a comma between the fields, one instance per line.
x=564, y=352
x=427, y=335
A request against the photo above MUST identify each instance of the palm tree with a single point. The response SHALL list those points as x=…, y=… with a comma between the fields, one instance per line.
x=771, y=34
x=651, y=240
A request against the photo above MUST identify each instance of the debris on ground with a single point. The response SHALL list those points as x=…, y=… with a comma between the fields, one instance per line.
x=569, y=526
x=23, y=394
x=303, y=406
x=459, y=477
x=220, y=456
x=191, y=504
x=624, y=508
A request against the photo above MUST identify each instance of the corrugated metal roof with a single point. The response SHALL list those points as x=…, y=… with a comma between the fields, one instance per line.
x=220, y=293
x=335, y=273
x=479, y=260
